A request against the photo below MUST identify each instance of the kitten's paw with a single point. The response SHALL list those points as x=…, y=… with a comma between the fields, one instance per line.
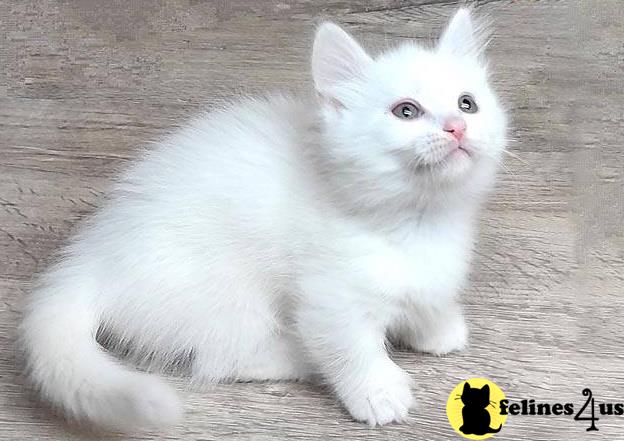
x=449, y=338
x=386, y=397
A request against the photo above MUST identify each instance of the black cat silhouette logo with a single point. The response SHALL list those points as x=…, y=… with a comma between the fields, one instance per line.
x=473, y=408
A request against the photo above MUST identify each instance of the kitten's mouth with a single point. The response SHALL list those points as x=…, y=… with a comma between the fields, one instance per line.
x=458, y=158
x=459, y=150
x=457, y=155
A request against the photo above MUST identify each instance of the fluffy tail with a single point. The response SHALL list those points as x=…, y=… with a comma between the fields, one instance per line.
x=72, y=371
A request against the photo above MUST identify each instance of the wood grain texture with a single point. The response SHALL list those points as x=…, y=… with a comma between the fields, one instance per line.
x=84, y=84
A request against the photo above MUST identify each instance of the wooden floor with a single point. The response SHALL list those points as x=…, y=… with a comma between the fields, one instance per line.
x=83, y=84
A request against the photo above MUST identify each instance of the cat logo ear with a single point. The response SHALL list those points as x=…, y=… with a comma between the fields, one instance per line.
x=464, y=37
x=486, y=388
x=336, y=59
x=466, y=386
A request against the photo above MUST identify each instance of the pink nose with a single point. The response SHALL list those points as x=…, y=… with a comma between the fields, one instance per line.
x=456, y=126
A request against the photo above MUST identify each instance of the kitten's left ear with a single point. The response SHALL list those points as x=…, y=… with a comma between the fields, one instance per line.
x=336, y=59
x=462, y=37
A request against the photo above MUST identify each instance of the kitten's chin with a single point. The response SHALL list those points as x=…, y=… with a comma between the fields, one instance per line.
x=456, y=166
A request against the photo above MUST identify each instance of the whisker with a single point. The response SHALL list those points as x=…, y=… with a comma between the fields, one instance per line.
x=507, y=169
x=499, y=162
x=503, y=166
x=513, y=155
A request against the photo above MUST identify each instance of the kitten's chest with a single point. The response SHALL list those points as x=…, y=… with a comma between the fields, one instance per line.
x=424, y=264
x=436, y=254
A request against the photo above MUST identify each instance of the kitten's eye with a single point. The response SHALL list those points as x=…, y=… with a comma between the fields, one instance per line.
x=407, y=110
x=467, y=103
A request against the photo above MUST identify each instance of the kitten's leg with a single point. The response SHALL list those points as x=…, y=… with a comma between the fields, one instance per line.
x=347, y=346
x=268, y=364
x=435, y=329
x=277, y=359
x=251, y=358
x=244, y=343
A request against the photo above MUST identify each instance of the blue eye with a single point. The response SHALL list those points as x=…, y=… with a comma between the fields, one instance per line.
x=407, y=110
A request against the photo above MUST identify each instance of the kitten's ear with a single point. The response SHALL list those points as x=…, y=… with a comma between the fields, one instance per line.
x=466, y=387
x=486, y=389
x=462, y=36
x=336, y=59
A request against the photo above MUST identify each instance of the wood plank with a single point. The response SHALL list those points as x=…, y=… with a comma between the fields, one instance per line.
x=84, y=87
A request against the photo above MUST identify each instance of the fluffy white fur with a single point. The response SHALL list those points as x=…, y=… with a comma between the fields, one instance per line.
x=281, y=238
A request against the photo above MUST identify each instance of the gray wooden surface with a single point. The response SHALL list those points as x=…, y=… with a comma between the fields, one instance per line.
x=84, y=83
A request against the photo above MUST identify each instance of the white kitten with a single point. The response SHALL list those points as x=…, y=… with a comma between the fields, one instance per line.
x=280, y=238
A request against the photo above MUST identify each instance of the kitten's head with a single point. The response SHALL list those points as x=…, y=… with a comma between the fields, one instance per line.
x=411, y=115
x=475, y=396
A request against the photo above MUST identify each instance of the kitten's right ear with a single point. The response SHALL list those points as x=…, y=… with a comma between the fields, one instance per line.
x=463, y=36
x=336, y=59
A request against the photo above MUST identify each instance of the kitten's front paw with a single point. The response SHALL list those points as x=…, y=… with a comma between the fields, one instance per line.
x=384, y=398
x=451, y=337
